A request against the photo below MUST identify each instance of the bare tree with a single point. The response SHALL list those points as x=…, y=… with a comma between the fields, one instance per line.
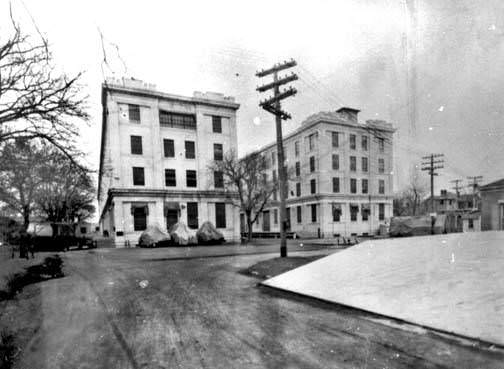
x=409, y=200
x=66, y=193
x=35, y=100
x=20, y=176
x=247, y=177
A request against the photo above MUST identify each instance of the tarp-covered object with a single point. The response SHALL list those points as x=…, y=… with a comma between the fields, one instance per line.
x=182, y=235
x=208, y=234
x=153, y=236
x=416, y=226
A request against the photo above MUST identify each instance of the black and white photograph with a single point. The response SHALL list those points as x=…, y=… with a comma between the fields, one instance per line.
x=252, y=184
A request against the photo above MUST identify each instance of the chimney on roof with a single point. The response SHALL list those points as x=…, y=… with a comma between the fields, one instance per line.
x=349, y=113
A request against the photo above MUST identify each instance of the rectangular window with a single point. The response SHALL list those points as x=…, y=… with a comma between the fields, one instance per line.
x=216, y=124
x=353, y=185
x=353, y=144
x=134, y=113
x=298, y=189
x=218, y=152
x=191, y=180
x=299, y=214
x=275, y=216
x=364, y=185
x=335, y=139
x=273, y=158
x=311, y=141
x=136, y=145
x=381, y=186
x=177, y=120
x=218, y=179
x=364, y=164
x=138, y=176
x=365, y=212
x=190, y=150
x=381, y=165
x=288, y=219
x=335, y=161
x=381, y=211
x=312, y=164
x=274, y=176
x=192, y=215
x=170, y=178
x=353, y=163
x=364, y=143
x=354, y=210
x=169, y=148
x=313, y=212
x=381, y=144
x=275, y=196
x=296, y=148
x=336, y=212
x=139, y=218
x=220, y=215
x=313, y=186
x=335, y=185
x=298, y=169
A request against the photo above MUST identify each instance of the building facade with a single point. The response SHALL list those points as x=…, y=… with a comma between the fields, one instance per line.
x=340, y=177
x=492, y=206
x=155, y=151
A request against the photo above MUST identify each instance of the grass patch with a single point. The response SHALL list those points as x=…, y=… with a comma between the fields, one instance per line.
x=273, y=267
x=51, y=267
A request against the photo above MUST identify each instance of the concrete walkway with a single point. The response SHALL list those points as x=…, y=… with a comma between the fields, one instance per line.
x=453, y=283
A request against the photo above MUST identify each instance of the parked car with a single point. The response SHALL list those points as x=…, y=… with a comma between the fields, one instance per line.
x=57, y=237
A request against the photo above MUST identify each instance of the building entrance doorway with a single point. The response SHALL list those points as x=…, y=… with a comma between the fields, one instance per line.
x=171, y=218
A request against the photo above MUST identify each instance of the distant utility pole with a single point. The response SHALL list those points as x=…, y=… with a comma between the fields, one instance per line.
x=457, y=187
x=474, y=184
x=273, y=106
x=431, y=165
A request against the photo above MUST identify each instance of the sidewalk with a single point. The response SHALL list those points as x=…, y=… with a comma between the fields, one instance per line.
x=452, y=283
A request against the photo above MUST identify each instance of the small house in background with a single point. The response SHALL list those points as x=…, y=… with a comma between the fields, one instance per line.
x=492, y=206
x=471, y=222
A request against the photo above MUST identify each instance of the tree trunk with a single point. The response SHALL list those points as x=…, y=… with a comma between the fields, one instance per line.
x=249, y=226
x=26, y=216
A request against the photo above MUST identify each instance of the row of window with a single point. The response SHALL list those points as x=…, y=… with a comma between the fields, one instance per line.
x=335, y=143
x=336, y=186
x=171, y=178
x=174, y=119
x=140, y=214
x=336, y=164
x=169, y=148
x=337, y=212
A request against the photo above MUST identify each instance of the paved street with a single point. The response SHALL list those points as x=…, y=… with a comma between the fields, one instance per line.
x=151, y=309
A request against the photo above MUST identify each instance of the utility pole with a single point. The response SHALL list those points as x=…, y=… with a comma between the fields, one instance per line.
x=431, y=165
x=456, y=187
x=273, y=106
x=474, y=184
x=434, y=162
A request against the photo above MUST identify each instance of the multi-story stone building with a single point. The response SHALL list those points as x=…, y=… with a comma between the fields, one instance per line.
x=340, y=177
x=155, y=151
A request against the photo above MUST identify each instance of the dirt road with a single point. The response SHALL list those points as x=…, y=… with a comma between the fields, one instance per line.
x=137, y=309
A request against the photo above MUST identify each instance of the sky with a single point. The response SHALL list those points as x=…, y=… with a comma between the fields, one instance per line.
x=432, y=68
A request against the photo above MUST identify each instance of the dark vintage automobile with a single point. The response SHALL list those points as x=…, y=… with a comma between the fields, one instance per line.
x=57, y=237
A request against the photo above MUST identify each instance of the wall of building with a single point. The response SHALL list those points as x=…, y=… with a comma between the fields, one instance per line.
x=491, y=203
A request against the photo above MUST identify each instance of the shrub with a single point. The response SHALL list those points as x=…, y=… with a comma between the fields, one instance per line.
x=7, y=350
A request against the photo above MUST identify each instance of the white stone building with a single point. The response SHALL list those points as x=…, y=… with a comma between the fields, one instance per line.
x=155, y=150
x=341, y=181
